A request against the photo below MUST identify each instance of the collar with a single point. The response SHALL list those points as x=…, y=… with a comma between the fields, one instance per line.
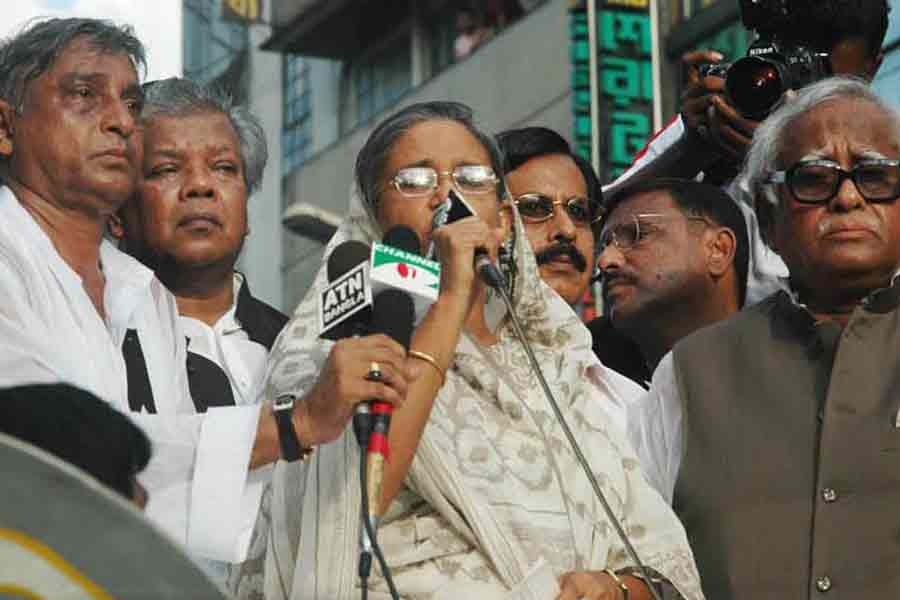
x=880, y=300
x=261, y=322
x=126, y=278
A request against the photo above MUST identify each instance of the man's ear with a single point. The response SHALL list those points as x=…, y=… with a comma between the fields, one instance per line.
x=7, y=128
x=721, y=248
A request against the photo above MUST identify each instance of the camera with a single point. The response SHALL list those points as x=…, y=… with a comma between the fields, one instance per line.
x=773, y=65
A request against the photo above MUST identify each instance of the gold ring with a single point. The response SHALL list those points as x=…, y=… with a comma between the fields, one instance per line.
x=374, y=371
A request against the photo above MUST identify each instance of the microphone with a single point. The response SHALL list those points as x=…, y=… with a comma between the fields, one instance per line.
x=397, y=264
x=393, y=314
x=345, y=303
x=454, y=209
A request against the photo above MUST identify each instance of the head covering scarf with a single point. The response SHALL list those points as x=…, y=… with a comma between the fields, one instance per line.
x=308, y=530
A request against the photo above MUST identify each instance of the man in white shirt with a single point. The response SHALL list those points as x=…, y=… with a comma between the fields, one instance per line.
x=203, y=157
x=69, y=153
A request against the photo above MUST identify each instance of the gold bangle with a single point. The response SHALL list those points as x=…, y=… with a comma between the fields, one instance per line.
x=619, y=583
x=431, y=361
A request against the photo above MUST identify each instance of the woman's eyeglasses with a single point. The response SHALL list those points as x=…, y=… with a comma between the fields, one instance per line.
x=628, y=234
x=537, y=208
x=818, y=181
x=414, y=182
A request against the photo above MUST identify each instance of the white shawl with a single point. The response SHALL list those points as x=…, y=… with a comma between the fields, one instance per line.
x=493, y=467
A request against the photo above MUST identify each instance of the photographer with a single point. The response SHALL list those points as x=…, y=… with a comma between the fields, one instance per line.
x=712, y=136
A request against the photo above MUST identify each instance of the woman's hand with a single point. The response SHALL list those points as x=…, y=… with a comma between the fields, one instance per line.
x=456, y=245
x=322, y=415
x=590, y=585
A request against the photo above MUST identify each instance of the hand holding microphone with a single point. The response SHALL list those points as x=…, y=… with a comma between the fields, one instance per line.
x=467, y=248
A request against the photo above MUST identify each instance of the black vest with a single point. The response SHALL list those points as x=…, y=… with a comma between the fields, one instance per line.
x=208, y=383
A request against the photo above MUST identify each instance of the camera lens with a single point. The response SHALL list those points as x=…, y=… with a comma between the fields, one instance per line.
x=755, y=85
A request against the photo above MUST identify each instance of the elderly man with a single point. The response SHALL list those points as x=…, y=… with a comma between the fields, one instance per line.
x=778, y=428
x=558, y=196
x=711, y=135
x=203, y=156
x=69, y=104
x=674, y=256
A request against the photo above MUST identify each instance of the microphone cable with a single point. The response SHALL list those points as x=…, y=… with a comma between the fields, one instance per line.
x=365, y=559
x=536, y=368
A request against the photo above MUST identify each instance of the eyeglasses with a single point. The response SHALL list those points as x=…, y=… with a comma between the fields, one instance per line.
x=414, y=182
x=537, y=208
x=628, y=234
x=818, y=181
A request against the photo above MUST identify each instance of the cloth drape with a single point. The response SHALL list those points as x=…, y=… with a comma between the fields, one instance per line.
x=494, y=490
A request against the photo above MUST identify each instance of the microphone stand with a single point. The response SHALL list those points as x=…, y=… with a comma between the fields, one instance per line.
x=368, y=541
x=491, y=279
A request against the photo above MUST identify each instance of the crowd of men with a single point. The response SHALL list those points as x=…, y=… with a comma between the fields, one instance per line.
x=759, y=306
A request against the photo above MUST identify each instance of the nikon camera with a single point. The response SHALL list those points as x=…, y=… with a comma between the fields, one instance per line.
x=773, y=65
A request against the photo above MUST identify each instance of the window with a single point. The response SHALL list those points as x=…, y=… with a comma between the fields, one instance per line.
x=296, y=131
x=211, y=45
x=382, y=78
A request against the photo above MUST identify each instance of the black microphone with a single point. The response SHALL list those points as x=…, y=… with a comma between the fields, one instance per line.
x=345, y=304
x=393, y=313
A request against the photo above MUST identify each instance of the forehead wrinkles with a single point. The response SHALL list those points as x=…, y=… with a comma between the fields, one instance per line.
x=550, y=174
x=852, y=127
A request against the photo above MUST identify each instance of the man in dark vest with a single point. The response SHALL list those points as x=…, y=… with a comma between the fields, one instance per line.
x=776, y=431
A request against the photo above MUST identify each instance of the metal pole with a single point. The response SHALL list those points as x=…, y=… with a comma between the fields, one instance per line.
x=595, y=86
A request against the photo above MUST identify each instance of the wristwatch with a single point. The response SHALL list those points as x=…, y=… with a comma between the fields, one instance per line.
x=291, y=450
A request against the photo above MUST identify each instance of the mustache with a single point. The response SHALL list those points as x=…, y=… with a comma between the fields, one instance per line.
x=830, y=225
x=563, y=249
x=610, y=277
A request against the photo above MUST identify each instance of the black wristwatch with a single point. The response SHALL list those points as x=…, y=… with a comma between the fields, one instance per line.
x=283, y=409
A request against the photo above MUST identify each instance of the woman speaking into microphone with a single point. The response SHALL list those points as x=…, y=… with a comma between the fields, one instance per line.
x=484, y=495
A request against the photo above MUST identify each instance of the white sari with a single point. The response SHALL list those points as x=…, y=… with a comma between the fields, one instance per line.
x=493, y=492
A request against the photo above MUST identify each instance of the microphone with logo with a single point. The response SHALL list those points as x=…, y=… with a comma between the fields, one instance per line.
x=345, y=304
x=393, y=314
x=385, y=290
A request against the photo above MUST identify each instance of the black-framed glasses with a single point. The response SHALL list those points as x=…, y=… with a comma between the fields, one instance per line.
x=414, y=182
x=818, y=181
x=628, y=234
x=537, y=208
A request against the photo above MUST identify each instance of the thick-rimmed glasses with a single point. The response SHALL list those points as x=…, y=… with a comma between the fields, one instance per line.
x=537, y=208
x=414, y=182
x=628, y=234
x=818, y=181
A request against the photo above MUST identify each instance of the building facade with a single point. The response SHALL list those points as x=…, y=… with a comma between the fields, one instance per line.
x=361, y=61
x=221, y=47
x=322, y=73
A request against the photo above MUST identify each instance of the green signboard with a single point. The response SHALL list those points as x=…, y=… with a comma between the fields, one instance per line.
x=622, y=50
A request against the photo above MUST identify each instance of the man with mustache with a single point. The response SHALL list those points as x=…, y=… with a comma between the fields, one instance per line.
x=558, y=197
x=777, y=430
x=674, y=256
